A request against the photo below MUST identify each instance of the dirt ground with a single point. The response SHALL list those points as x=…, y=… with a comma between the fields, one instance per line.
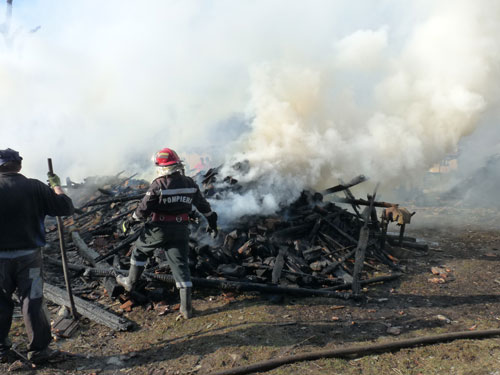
x=234, y=330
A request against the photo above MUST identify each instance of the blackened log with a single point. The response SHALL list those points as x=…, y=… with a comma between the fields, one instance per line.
x=87, y=213
x=278, y=264
x=330, y=243
x=119, y=247
x=90, y=203
x=362, y=202
x=89, y=254
x=364, y=234
x=373, y=280
x=125, y=198
x=112, y=220
x=359, y=259
x=375, y=223
x=312, y=254
x=112, y=288
x=331, y=267
x=322, y=279
x=234, y=286
x=314, y=231
x=343, y=186
x=237, y=286
x=296, y=264
x=396, y=237
x=231, y=270
x=344, y=234
x=246, y=248
x=292, y=233
x=107, y=192
x=354, y=206
x=91, y=310
x=409, y=244
x=383, y=232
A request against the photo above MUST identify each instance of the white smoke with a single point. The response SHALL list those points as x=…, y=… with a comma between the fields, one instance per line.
x=310, y=126
x=329, y=89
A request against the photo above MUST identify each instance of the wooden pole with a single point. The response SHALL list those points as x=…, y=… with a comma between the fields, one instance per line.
x=60, y=231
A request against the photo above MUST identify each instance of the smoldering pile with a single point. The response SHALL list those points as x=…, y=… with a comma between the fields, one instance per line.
x=310, y=247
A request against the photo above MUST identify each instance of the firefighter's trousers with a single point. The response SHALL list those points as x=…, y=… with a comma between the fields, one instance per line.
x=174, y=239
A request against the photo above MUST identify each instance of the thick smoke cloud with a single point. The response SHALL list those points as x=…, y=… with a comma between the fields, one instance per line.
x=307, y=92
x=312, y=125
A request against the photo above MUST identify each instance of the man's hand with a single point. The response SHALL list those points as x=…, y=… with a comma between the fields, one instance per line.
x=54, y=180
x=212, y=224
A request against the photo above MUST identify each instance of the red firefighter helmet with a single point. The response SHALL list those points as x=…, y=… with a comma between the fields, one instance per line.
x=166, y=157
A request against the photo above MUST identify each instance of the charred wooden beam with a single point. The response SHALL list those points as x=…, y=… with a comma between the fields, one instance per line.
x=359, y=259
x=378, y=279
x=314, y=231
x=122, y=198
x=87, y=213
x=293, y=232
x=354, y=206
x=362, y=202
x=327, y=241
x=90, y=310
x=89, y=254
x=344, y=234
x=278, y=265
x=396, y=237
x=91, y=202
x=319, y=278
x=112, y=220
x=237, y=286
x=107, y=192
x=234, y=286
x=331, y=267
x=119, y=247
x=343, y=186
x=364, y=234
x=409, y=244
x=112, y=288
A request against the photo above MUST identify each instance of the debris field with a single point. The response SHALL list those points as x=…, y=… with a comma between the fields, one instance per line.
x=314, y=246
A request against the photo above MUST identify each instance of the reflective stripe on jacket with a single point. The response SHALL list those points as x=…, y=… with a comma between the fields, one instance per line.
x=172, y=195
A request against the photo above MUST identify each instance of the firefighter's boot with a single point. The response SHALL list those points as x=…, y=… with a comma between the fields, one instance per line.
x=186, y=308
x=134, y=274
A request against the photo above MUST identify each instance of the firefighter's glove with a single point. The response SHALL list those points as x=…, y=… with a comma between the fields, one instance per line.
x=126, y=224
x=212, y=224
x=193, y=217
x=54, y=180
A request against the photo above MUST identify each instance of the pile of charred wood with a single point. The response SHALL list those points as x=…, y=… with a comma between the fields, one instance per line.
x=311, y=247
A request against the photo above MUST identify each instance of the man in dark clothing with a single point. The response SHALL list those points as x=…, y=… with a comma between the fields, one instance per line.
x=168, y=201
x=24, y=203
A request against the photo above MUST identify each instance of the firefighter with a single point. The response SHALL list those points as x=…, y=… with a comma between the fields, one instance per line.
x=168, y=202
x=24, y=203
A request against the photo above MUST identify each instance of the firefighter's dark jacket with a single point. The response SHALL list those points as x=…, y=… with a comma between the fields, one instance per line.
x=24, y=203
x=172, y=195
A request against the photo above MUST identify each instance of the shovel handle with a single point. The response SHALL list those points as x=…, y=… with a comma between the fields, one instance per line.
x=51, y=170
x=60, y=231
